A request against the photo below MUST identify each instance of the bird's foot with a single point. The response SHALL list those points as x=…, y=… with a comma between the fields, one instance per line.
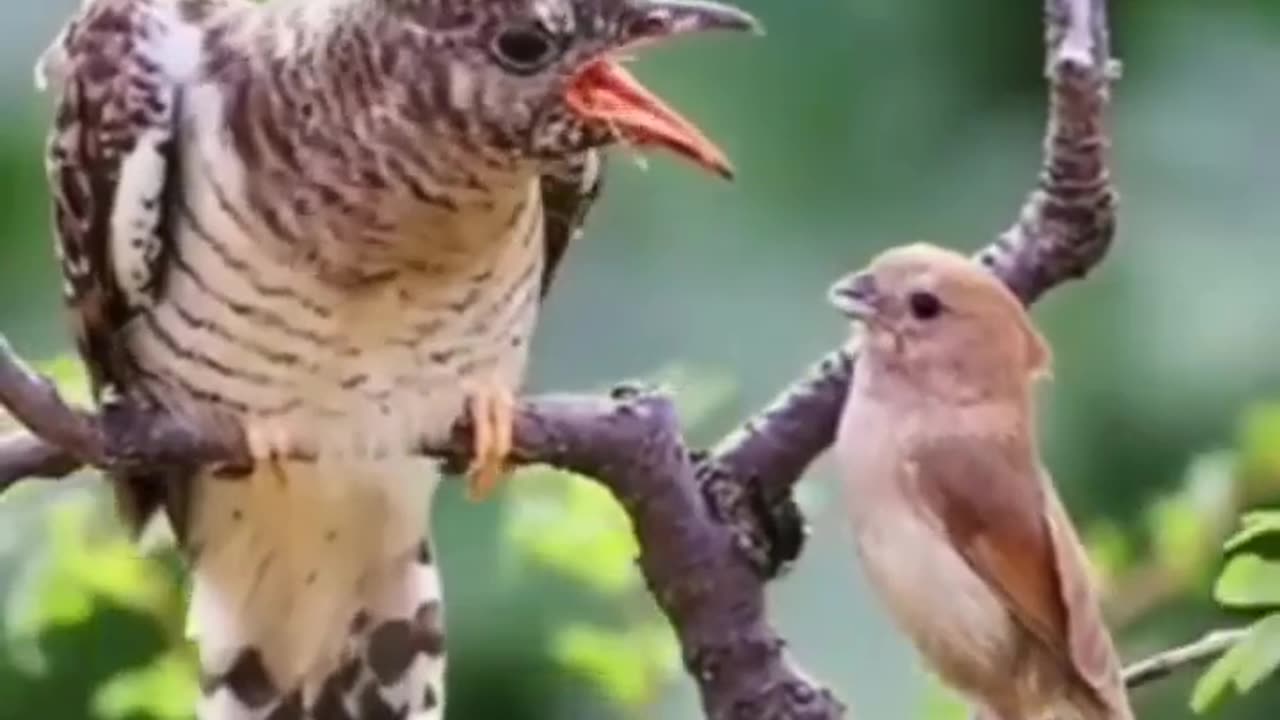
x=492, y=406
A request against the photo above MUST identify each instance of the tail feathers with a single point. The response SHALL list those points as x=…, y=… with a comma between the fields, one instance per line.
x=315, y=595
x=391, y=664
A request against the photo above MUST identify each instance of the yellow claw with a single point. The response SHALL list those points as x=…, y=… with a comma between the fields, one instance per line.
x=492, y=407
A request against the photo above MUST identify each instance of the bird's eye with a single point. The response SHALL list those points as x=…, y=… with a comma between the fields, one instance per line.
x=525, y=49
x=924, y=305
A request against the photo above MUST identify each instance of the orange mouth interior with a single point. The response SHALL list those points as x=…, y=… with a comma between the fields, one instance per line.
x=606, y=92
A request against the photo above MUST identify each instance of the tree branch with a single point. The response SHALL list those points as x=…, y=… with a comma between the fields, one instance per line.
x=1194, y=654
x=713, y=527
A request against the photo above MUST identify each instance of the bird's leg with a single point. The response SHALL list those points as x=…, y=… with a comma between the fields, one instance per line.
x=492, y=406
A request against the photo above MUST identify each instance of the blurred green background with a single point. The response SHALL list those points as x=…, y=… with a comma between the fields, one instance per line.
x=855, y=124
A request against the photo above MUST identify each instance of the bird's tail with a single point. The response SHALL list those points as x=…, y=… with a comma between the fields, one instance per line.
x=316, y=595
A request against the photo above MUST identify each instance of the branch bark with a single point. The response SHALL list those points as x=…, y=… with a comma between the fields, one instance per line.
x=714, y=527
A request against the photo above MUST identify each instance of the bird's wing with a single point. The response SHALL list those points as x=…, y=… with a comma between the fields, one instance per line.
x=568, y=193
x=111, y=163
x=1004, y=517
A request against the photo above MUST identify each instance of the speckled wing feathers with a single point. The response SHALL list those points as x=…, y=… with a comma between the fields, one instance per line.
x=111, y=166
x=112, y=169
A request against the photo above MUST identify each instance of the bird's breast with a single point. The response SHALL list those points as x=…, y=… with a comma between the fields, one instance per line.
x=934, y=596
x=305, y=361
x=932, y=593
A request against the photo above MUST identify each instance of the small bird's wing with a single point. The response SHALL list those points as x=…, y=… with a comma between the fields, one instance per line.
x=568, y=193
x=1091, y=647
x=1006, y=520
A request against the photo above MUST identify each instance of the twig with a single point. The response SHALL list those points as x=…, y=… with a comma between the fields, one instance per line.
x=1194, y=654
x=24, y=456
x=33, y=400
x=712, y=527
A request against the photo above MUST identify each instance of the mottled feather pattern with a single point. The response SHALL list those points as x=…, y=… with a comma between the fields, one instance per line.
x=116, y=70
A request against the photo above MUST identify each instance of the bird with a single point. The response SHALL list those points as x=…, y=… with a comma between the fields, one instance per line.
x=957, y=525
x=326, y=227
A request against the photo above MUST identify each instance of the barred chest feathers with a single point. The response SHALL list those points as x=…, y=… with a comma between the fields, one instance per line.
x=330, y=312
x=332, y=293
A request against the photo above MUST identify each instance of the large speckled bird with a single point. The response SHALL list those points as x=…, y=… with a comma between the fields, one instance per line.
x=328, y=225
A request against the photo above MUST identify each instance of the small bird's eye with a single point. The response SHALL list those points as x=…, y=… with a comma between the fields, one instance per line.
x=924, y=305
x=525, y=49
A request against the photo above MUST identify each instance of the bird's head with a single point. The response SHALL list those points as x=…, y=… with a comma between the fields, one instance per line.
x=943, y=319
x=546, y=78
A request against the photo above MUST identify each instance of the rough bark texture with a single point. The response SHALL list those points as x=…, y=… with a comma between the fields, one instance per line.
x=714, y=527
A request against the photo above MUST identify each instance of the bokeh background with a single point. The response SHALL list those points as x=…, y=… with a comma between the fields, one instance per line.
x=855, y=124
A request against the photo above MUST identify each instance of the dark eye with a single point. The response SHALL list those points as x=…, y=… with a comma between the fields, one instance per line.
x=525, y=49
x=924, y=305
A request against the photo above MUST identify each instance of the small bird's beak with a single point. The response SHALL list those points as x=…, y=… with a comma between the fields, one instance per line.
x=857, y=296
x=603, y=91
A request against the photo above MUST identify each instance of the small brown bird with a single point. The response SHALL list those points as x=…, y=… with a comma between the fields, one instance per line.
x=958, y=526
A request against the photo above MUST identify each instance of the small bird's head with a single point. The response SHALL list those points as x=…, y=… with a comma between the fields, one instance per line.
x=545, y=76
x=942, y=319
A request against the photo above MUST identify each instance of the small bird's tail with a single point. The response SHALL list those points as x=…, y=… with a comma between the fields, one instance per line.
x=316, y=595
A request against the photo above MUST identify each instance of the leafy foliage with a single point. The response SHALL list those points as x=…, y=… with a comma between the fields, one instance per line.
x=1249, y=581
x=88, y=565
x=165, y=689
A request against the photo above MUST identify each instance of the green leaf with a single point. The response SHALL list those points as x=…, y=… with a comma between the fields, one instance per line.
x=1249, y=581
x=1244, y=666
x=1215, y=681
x=1261, y=653
x=629, y=666
x=574, y=526
x=942, y=703
x=1180, y=535
x=67, y=372
x=1109, y=549
x=165, y=689
x=86, y=563
x=1253, y=526
x=1260, y=440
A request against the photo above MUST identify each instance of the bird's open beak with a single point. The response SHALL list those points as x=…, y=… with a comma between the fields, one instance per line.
x=857, y=296
x=604, y=91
